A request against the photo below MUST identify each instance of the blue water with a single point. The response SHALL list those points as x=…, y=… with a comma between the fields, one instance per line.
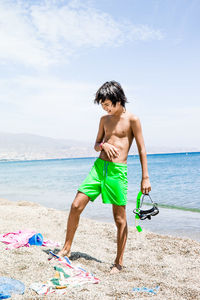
x=174, y=178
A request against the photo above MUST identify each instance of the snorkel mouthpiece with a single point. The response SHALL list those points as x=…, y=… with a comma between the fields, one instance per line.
x=138, y=227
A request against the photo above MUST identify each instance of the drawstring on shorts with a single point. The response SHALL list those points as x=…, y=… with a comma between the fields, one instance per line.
x=105, y=169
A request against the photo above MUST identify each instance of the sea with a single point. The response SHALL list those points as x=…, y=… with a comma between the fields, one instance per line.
x=175, y=181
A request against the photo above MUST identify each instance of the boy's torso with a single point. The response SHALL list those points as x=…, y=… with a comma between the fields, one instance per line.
x=118, y=132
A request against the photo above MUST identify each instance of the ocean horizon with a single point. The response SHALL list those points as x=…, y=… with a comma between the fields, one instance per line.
x=86, y=157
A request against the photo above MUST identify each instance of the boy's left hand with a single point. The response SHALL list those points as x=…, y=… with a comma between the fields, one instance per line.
x=145, y=186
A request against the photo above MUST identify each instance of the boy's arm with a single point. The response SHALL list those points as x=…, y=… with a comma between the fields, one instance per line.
x=100, y=135
x=109, y=149
x=137, y=131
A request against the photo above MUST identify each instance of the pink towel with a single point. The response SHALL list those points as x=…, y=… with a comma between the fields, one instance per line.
x=17, y=239
x=20, y=238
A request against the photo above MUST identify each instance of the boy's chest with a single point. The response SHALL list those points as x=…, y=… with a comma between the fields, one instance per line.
x=117, y=127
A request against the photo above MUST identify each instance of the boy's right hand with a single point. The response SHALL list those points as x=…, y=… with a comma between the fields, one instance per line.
x=111, y=151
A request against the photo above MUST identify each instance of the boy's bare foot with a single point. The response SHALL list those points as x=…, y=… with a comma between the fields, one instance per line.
x=64, y=252
x=116, y=268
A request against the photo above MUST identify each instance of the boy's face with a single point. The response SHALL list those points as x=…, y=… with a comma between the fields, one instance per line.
x=109, y=107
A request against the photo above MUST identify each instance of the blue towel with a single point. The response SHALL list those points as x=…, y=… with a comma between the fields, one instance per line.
x=4, y=296
x=9, y=286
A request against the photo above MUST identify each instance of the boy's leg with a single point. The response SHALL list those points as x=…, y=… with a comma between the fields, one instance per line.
x=119, y=213
x=78, y=205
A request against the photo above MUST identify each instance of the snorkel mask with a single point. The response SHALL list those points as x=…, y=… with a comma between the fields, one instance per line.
x=144, y=214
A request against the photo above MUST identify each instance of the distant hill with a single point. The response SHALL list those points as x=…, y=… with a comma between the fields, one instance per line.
x=33, y=147
x=29, y=146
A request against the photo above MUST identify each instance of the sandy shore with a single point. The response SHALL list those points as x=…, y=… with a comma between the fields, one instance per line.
x=150, y=259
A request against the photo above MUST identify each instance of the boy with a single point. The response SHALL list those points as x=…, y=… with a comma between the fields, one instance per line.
x=108, y=176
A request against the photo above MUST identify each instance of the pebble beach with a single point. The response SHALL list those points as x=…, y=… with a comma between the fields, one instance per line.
x=151, y=260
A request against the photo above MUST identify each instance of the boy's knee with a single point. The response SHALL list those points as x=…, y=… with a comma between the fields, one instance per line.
x=120, y=221
x=76, y=208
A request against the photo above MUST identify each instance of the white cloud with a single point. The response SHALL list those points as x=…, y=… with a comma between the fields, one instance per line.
x=143, y=33
x=19, y=42
x=75, y=28
x=42, y=33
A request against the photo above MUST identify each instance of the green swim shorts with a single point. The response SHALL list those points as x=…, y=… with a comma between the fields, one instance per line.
x=108, y=179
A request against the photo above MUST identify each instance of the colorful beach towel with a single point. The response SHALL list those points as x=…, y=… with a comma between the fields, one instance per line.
x=66, y=276
x=21, y=238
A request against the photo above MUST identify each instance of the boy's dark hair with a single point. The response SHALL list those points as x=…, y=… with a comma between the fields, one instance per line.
x=112, y=91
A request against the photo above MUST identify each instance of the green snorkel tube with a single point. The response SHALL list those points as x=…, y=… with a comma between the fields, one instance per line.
x=138, y=227
x=141, y=214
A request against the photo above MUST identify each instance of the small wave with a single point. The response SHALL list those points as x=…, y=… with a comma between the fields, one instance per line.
x=177, y=207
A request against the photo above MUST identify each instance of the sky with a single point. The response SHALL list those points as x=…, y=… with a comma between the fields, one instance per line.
x=54, y=55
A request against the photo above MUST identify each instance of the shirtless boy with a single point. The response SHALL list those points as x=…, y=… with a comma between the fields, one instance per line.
x=108, y=176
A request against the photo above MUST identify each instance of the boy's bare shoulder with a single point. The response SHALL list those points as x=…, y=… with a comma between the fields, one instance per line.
x=103, y=118
x=133, y=118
